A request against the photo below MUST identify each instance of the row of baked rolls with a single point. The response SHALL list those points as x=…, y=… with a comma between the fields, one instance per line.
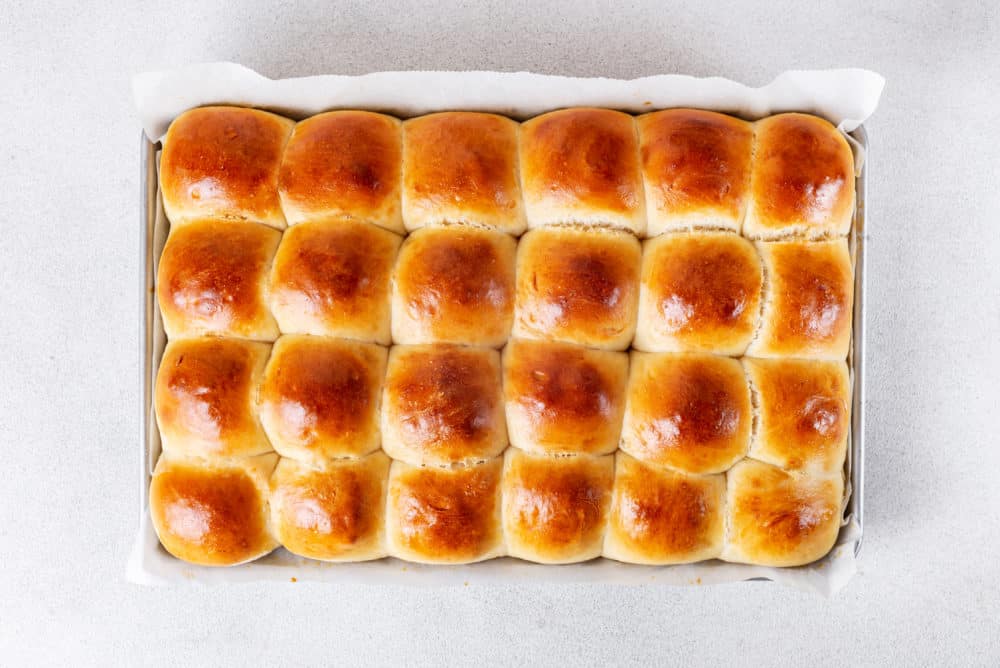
x=680, y=292
x=221, y=402
x=534, y=507
x=315, y=399
x=785, y=175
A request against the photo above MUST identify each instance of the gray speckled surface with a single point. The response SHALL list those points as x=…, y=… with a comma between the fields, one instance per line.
x=929, y=590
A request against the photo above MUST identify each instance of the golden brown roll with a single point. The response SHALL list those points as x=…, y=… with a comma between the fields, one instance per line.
x=802, y=179
x=578, y=286
x=461, y=167
x=660, y=517
x=343, y=165
x=206, y=397
x=690, y=412
x=695, y=168
x=555, y=508
x=333, y=279
x=444, y=516
x=563, y=398
x=582, y=166
x=212, y=512
x=320, y=397
x=698, y=292
x=803, y=413
x=212, y=279
x=454, y=285
x=777, y=518
x=222, y=163
x=334, y=513
x=808, y=301
x=443, y=404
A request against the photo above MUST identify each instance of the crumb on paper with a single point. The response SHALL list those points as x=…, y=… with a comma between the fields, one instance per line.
x=293, y=579
x=465, y=584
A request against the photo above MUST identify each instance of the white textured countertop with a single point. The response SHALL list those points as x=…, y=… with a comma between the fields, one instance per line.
x=929, y=587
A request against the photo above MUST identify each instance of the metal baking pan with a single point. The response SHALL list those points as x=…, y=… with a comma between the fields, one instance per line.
x=284, y=566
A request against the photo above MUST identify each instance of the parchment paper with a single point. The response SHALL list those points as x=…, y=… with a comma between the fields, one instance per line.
x=845, y=97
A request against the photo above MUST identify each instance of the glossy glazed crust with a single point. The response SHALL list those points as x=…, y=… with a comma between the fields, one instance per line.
x=661, y=517
x=343, y=165
x=802, y=180
x=689, y=412
x=320, y=397
x=461, y=167
x=222, y=163
x=333, y=279
x=698, y=292
x=808, y=300
x=206, y=397
x=444, y=516
x=695, y=168
x=776, y=518
x=443, y=404
x=582, y=166
x=212, y=279
x=454, y=285
x=555, y=508
x=804, y=413
x=578, y=286
x=336, y=513
x=719, y=458
x=212, y=514
x=563, y=398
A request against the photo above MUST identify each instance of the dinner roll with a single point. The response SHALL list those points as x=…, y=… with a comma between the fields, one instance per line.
x=206, y=397
x=578, y=286
x=777, y=518
x=332, y=279
x=690, y=412
x=807, y=301
x=582, y=166
x=443, y=404
x=461, y=167
x=320, y=397
x=563, y=398
x=334, y=513
x=803, y=413
x=695, y=168
x=222, y=163
x=454, y=285
x=660, y=517
x=212, y=512
x=801, y=181
x=555, y=508
x=343, y=165
x=444, y=516
x=698, y=292
x=212, y=279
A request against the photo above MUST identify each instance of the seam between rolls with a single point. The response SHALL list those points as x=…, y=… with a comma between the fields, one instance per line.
x=642, y=201
x=748, y=199
x=754, y=408
x=765, y=293
x=519, y=183
x=281, y=163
